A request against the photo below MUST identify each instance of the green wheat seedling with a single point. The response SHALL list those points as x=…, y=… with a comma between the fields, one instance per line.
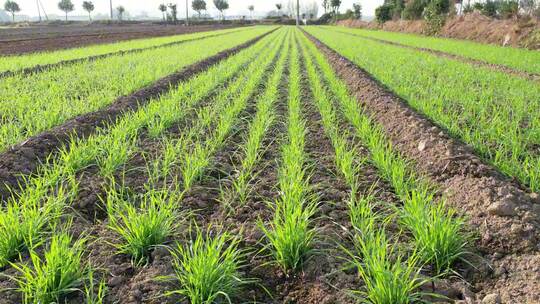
x=208, y=268
x=290, y=235
x=497, y=116
x=415, y=192
x=25, y=220
x=60, y=272
x=43, y=100
x=94, y=293
x=389, y=277
x=437, y=231
x=142, y=225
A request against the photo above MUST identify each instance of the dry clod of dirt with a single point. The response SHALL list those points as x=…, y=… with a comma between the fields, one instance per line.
x=491, y=298
x=505, y=207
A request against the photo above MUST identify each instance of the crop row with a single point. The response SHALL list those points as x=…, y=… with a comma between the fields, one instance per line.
x=16, y=63
x=390, y=275
x=517, y=58
x=29, y=105
x=497, y=114
x=45, y=196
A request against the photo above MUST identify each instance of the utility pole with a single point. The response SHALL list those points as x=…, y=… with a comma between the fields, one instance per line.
x=38, y=10
x=297, y=12
x=187, y=13
x=110, y=2
x=43, y=9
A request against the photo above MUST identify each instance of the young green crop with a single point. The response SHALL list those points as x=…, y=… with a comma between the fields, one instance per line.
x=60, y=272
x=15, y=63
x=252, y=148
x=142, y=225
x=517, y=58
x=208, y=268
x=38, y=102
x=494, y=112
x=61, y=170
x=441, y=248
x=290, y=234
x=388, y=277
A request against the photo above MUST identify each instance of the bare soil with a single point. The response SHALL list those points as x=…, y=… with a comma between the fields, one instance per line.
x=16, y=41
x=502, y=214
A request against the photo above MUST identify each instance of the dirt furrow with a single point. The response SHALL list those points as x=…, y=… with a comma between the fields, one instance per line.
x=24, y=158
x=503, y=215
x=475, y=62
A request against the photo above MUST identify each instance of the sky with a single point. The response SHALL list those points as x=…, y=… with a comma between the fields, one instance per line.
x=135, y=7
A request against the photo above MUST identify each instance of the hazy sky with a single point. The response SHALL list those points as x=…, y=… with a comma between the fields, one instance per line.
x=134, y=7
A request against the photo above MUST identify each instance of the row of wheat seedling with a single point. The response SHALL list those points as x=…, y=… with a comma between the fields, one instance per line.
x=289, y=234
x=389, y=276
x=207, y=268
x=438, y=236
x=35, y=103
x=252, y=148
x=494, y=112
x=30, y=214
x=15, y=63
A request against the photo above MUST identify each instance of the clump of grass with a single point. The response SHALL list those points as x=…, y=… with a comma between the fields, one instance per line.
x=290, y=235
x=208, y=269
x=437, y=232
x=58, y=274
x=145, y=226
x=389, y=277
x=25, y=220
x=94, y=293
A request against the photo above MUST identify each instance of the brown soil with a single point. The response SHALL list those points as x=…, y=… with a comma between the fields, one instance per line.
x=24, y=158
x=40, y=68
x=478, y=63
x=504, y=217
x=50, y=38
x=474, y=26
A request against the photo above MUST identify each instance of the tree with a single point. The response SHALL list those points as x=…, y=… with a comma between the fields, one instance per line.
x=251, y=8
x=163, y=8
x=221, y=6
x=89, y=7
x=279, y=6
x=326, y=5
x=335, y=7
x=12, y=7
x=66, y=6
x=357, y=10
x=198, y=6
x=120, y=10
x=174, y=12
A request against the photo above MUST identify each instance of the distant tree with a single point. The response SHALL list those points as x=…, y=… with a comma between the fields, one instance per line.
x=12, y=7
x=279, y=6
x=326, y=5
x=174, y=12
x=120, y=10
x=66, y=6
x=251, y=8
x=357, y=10
x=198, y=6
x=221, y=5
x=89, y=7
x=163, y=8
x=335, y=4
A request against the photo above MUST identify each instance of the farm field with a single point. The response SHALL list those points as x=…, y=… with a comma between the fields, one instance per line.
x=46, y=38
x=268, y=165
